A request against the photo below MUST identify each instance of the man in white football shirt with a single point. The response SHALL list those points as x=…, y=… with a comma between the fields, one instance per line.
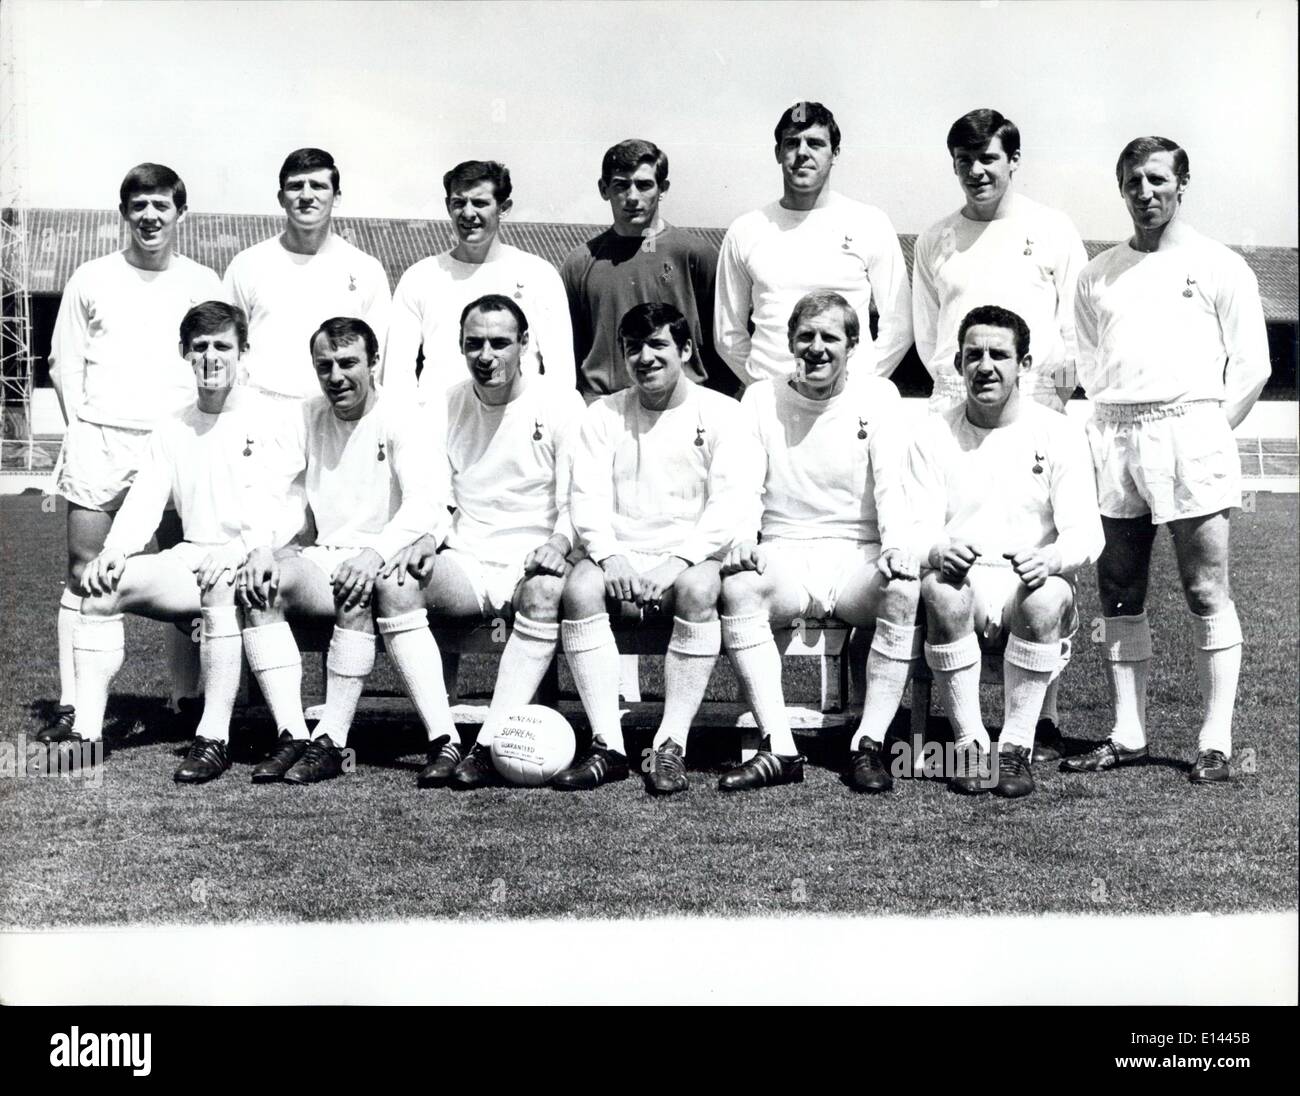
x=290, y=284
x=1173, y=352
x=508, y=438
x=812, y=238
x=657, y=497
x=206, y=458
x=1005, y=506
x=116, y=370
x=823, y=456
x=432, y=293
x=374, y=485
x=999, y=248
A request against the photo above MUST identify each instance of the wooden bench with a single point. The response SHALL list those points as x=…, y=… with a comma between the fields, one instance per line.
x=825, y=640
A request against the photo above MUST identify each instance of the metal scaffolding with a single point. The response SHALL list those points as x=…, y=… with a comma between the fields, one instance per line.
x=16, y=360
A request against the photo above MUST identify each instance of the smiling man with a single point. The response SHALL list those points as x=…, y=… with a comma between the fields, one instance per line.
x=999, y=248
x=115, y=367
x=288, y=285
x=208, y=460
x=374, y=484
x=1173, y=353
x=1005, y=511
x=508, y=437
x=422, y=356
x=657, y=497
x=811, y=239
x=819, y=451
x=640, y=258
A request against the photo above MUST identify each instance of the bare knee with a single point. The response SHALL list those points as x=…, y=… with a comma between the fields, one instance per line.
x=1207, y=592
x=101, y=605
x=742, y=594
x=1037, y=614
x=393, y=598
x=948, y=608
x=898, y=601
x=539, y=598
x=584, y=592
x=359, y=618
x=697, y=591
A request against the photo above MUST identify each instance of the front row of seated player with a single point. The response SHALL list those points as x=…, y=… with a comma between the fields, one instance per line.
x=639, y=506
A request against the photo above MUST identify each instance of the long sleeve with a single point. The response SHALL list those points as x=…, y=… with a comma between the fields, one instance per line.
x=552, y=329
x=402, y=346
x=893, y=297
x=591, y=492
x=378, y=312
x=1245, y=336
x=566, y=440
x=925, y=305
x=732, y=303
x=925, y=490
x=1087, y=335
x=142, y=510
x=414, y=453
x=1079, y=538
x=703, y=267
x=888, y=452
x=68, y=350
x=730, y=500
x=1067, y=282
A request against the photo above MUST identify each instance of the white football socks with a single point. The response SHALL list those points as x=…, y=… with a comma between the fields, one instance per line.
x=1127, y=651
x=688, y=666
x=889, y=665
x=1027, y=671
x=350, y=659
x=1218, y=664
x=413, y=650
x=529, y=653
x=956, y=669
x=273, y=657
x=757, y=662
x=593, y=658
x=98, y=648
x=220, y=653
x=69, y=611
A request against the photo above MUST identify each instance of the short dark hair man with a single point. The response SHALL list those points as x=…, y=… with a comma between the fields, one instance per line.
x=1173, y=353
x=812, y=238
x=640, y=258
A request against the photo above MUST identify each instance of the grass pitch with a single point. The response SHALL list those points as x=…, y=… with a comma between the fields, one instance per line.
x=135, y=847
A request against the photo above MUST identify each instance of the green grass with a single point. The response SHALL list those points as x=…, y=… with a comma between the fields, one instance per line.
x=138, y=848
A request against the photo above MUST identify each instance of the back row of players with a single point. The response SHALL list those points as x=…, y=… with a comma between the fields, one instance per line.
x=1170, y=346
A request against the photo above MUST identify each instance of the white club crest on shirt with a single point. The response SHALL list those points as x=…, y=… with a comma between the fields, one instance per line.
x=699, y=436
x=380, y=456
x=1038, y=462
x=1029, y=246
x=248, y=446
x=1190, y=282
x=848, y=241
x=519, y=291
x=352, y=282
x=862, y=429
x=537, y=429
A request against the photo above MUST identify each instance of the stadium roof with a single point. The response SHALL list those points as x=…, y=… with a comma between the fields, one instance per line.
x=59, y=240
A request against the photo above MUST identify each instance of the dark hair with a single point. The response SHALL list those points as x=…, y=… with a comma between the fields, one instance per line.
x=991, y=315
x=979, y=127
x=1141, y=149
x=629, y=155
x=147, y=178
x=823, y=300
x=641, y=321
x=212, y=316
x=467, y=174
x=496, y=302
x=302, y=160
x=803, y=116
x=344, y=329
